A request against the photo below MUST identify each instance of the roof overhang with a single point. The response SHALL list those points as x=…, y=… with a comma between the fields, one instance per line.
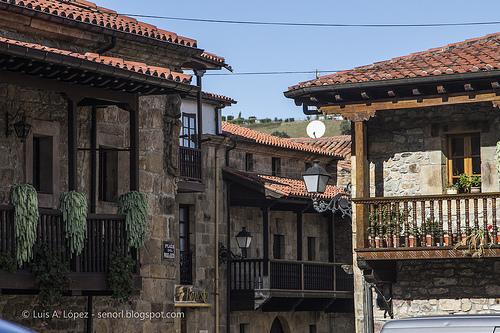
x=50, y=66
x=358, y=101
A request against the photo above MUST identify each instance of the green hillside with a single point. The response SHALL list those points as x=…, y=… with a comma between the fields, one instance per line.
x=296, y=129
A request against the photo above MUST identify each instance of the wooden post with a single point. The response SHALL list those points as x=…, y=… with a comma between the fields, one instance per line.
x=362, y=181
x=93, y=159
x=134, y=146
x=300, y=235
x=265, y=238
x=199, y=105
x=72, y=144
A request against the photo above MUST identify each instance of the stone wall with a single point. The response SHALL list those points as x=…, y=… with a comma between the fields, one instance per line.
x=407, y=148
x=464, y=286
x=158, y=131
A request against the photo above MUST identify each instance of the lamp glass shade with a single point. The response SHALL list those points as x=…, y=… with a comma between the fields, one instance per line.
x=316, y=178
x=244, y=238
x=22, y=129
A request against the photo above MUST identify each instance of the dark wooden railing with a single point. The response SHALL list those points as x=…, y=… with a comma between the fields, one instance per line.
x=190, y=163
x=106, y=235
x=247, y=274
x=431, y=220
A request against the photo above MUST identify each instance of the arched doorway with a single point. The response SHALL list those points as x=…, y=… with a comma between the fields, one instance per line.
x=277, y=327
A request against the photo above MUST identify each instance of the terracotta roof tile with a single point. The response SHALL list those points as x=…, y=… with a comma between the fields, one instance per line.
x=219, y=98
x=339, y=145
x=137, y=67
x=286, y=187
x=270, y=140
x=472, y=55
x=90, y=13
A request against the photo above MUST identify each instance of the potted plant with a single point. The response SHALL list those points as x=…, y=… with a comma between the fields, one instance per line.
x=446, y=239
x=475, y=243
x=464, y=183
x=432, y=232
x=475, y=184
x=414, y=234
x=452, y=189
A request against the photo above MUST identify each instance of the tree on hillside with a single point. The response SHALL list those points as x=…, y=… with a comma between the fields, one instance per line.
x=280, y=134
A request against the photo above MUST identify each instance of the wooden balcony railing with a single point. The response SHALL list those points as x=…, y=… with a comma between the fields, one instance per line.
x=106, y=235
x=431, y=220
x=247, y=274
x=190, y=163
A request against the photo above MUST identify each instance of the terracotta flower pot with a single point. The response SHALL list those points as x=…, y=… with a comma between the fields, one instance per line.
x=428, y=240
x=446, y=239
x=371, y=242
x=377, y=242
x=395, y=240
x=388, y=241
x=498, y=237
x=411, y=240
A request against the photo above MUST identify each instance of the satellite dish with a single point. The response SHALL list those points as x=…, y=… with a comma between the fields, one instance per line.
x=316, y=129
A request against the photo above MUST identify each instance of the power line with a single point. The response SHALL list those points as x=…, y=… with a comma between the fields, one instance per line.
x=272, y=73
x=305, y=24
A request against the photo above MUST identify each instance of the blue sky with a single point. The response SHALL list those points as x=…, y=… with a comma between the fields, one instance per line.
x=270, y=48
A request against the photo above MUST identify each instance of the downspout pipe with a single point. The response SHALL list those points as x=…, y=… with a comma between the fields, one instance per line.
x=199, y=104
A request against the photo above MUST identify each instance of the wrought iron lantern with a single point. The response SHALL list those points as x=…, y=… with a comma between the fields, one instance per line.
x=316, y=179
x=22, y=129
x=244, y=238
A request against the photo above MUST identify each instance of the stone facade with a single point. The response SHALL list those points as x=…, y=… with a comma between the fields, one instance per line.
x=407, y=152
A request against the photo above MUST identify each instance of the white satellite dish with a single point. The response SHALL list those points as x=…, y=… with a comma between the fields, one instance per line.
x=316, y=129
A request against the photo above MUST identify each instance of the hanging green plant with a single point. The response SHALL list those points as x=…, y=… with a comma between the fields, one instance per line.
x=25, y=201
x=120, y=279
x=73, y=206
x=133, y=205
x=50, y=273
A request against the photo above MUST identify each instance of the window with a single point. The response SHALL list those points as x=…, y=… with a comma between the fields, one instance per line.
x=464, y=156
x=42, y=164
x=312, y=328
x=249, y=162
x=108, y=174
x=311, y=248
x=279, y=246
x=244, y=328
x=188, y=131
x=276, y=166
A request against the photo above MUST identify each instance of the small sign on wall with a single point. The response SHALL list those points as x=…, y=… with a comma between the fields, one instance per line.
x=168, y=250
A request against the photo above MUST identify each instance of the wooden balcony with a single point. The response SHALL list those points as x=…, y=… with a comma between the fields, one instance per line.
x=427, y=227
x=106, y=235
x=190, y=170
x=290, y=286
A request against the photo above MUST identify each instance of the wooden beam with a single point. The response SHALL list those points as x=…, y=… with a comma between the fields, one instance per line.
x=362, y=181
x=362, y=111
x=93, y=159
x=134, y=145
x=72, y=144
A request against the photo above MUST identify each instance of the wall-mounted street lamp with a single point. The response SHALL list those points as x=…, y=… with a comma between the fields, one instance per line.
x=21, y=127
x=243, y=238
x=316, y=179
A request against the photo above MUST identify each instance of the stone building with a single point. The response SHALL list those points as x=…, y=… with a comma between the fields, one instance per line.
x=292, y=278
x=101, y=95
x=424, y=125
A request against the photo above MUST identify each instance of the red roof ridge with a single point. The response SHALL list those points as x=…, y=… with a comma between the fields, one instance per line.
x=137, y=67
x=471, y=55
x=270, y=140
x=90, y=13
x=287, y=187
